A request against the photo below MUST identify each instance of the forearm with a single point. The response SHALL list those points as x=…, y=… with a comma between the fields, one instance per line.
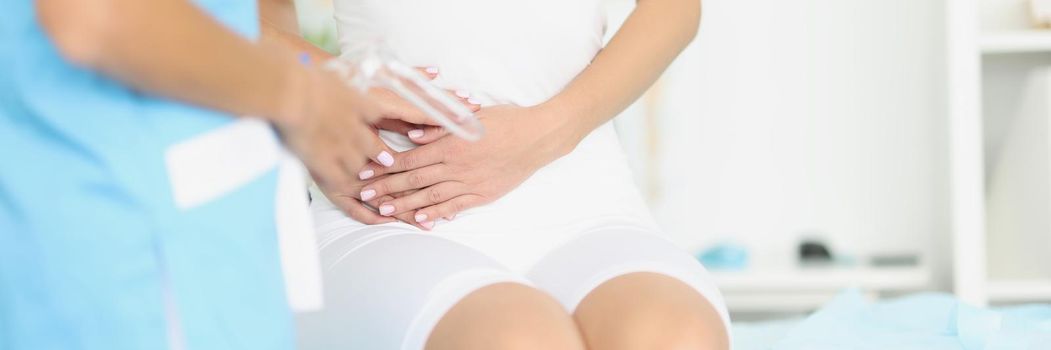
x=173, y=49
x=652, y=36
x=280, y=27
x=279, y=14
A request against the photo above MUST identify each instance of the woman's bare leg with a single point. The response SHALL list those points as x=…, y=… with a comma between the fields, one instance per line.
x=506, y=316
x=649, y=311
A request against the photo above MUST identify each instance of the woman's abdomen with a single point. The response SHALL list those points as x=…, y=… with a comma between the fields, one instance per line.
x=509, y=52
x=592, y=187
x=513, y=51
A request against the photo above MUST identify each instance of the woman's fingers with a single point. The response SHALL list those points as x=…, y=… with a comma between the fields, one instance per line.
x=393, y=106
x=423, y=135
x=429, y=72
x=419, y=134
x=357, y=211
x=397, y=126
x=449, y=208
x=404, y=161
x=406, y=217
x=377, y=150
x=429, y=196
x=465, y=97
x=404, y=181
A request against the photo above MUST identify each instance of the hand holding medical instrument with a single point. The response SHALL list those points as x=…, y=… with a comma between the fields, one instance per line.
x=331, y=129
x=372, y=65
x=356, y=209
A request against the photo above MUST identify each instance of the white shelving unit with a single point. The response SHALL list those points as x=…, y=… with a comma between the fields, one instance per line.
x=1010, y=291
x=802, y=289
x=981, y=35
x=1015, y=41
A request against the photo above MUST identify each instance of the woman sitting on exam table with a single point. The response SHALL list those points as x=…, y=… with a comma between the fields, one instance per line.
x=533, y=237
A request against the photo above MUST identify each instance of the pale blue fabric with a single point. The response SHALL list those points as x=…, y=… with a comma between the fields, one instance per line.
x=922, y=321
x=90, y=240
x=724, y=256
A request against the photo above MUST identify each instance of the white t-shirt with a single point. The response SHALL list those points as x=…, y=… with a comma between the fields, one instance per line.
x=516, y=52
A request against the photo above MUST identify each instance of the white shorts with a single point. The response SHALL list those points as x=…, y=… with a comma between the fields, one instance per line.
x=387, y=286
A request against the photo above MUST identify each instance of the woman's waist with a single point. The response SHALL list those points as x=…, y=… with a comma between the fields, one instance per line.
x=593, y=180
x=502, y=77
x=590, y=182
x=597, y=162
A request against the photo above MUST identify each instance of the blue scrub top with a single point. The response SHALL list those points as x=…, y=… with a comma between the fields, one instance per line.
x=93, y=252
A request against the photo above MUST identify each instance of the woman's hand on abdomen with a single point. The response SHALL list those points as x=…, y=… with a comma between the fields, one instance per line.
x=449, y=175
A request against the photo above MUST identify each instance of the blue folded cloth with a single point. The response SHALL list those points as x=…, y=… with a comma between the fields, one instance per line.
x=929, y=321
x=724, y=256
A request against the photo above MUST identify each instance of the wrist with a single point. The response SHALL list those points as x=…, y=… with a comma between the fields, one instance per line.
x=294, y=96
x=566, y=127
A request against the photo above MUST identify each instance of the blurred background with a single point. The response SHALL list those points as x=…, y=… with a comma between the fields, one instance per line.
x=806, y=146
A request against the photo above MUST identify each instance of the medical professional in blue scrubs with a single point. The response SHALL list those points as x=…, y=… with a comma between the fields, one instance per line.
x=95, y=253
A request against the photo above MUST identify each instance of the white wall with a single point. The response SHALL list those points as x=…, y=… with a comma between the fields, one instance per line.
x=788, y=116
x=1015, y=112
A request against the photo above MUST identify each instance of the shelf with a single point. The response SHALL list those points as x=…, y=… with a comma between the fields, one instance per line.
x=1015, y=41
x=1010, y=291
x=773, y=303
x=823, y=279
x=803, y=289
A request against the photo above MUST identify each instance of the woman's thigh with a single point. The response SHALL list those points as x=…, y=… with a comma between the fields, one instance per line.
x=389, y=290
x=649, y=311
x=625, y=281
x=506, y=316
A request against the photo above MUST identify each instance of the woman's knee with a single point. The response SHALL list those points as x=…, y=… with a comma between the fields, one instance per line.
x=506, y=316
x=649, y=311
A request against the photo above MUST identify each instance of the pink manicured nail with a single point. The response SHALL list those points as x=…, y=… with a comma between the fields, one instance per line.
x=415, y=133
x=429, y=224
x=385, y=158
x=367, y=194
x=421, y=217
x=386, y=209
x=432, y=70
x=463, y=94
x=366, y=174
